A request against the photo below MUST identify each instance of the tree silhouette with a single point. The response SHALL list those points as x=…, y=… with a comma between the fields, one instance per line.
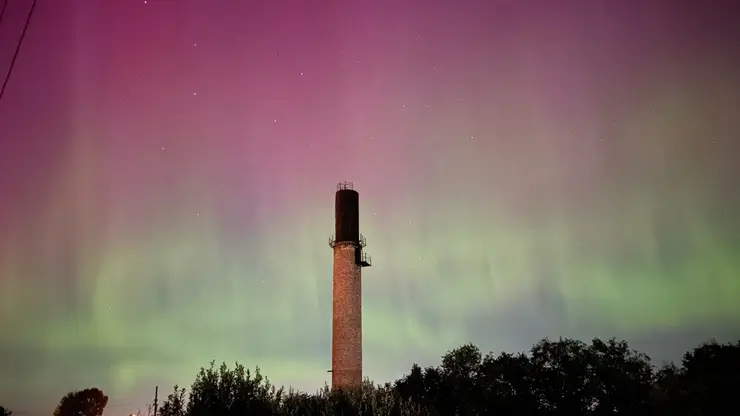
x=620, y=379
x=507, y=385
x=5, y=412
x=669, y=395
x=175, y=403
x=709, y=379
x=563, y=377
x=88, y=402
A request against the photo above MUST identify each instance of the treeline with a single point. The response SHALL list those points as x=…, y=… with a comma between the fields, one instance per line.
x=564, y=377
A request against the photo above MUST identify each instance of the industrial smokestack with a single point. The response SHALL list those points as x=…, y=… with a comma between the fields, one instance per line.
x=349, y=259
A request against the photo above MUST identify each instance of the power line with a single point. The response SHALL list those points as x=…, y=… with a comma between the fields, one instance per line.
x=2, y=11
x=17, y=46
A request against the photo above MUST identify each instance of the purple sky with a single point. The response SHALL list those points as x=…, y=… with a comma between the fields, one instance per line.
x=525, y=169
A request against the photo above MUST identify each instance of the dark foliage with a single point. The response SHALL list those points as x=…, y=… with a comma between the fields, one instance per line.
x=5, y=412
x=564, y=377
x=88, y=402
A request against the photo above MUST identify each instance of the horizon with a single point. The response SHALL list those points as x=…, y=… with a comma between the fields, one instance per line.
x=163, y=393
x=525, y=169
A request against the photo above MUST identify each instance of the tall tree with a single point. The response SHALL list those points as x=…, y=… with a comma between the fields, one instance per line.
x=710, y=378
x=561, y=375
x=88, y=402
x=620, y=380
x=507, y=385
x=460, y=368
x=5, y=412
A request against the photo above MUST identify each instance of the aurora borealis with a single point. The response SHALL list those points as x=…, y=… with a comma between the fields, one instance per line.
x=526, y=169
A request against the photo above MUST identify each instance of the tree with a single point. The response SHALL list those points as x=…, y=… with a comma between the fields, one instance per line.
x=88, y=402
x=563, y=377
x=620, y=379
x=460, y=369
x=507, y=385
x=423, y=387
x=5, y=412
x=708, y=380
x=669, y=397
x=175, y=403
x=232, y=392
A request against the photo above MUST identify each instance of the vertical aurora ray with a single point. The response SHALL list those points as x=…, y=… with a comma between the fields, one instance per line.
x=526, y=171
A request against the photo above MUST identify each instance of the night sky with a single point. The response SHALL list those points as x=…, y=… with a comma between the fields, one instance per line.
x=526, y=169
